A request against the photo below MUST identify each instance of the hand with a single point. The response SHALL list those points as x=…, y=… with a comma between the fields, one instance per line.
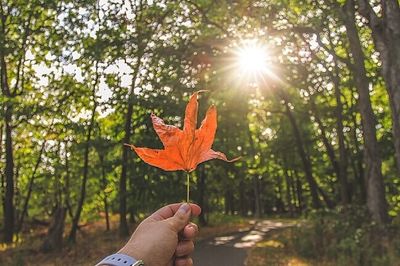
x=186, y=245
x=166, y=237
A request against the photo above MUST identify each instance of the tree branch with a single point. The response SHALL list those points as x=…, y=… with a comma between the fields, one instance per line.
x=206, y=19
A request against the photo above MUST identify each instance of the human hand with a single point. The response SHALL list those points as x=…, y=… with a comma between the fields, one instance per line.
x=166, y=237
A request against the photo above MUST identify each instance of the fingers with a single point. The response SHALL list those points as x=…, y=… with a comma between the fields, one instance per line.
x=184, y=248
x=170, y=210
x=196, y=210
x=183, y=262
x=180, y=219
x=190, y=231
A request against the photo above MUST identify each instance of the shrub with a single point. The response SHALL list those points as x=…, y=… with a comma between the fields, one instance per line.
x=346, y=236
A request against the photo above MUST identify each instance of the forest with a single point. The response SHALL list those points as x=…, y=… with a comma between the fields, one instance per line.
x=307, y=93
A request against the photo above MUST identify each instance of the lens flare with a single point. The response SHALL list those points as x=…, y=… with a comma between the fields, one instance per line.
x=252, y=59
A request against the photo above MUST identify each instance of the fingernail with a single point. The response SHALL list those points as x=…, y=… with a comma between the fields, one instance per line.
x=184, y=208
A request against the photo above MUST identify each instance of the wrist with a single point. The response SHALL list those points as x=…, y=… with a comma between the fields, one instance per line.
x=119, y=259
x=134, y=251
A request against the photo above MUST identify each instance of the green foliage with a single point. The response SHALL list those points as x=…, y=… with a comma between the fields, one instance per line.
x=218, y=218
x=107, y=54
x=346, y=237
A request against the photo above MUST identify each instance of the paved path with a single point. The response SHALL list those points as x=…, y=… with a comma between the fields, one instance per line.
x=231, y=249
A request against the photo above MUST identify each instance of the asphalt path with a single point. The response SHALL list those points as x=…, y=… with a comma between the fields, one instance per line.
x=231, y=249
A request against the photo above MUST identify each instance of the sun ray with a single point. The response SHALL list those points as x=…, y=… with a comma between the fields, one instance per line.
x=252, y=60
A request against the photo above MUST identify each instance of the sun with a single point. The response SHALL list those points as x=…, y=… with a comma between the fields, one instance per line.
x=252, y=59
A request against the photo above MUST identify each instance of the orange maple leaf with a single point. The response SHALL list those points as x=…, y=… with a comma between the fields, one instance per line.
x=183, y=149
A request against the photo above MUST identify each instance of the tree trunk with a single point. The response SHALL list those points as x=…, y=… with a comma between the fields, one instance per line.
x=376, y=201
x=242, y=199
x=256, y=188
x=9, y=222
x=342, y=175
x=303, y=156
x=289, y=197
x=1, y=139
x=341, y=163
x=386, y=37
x=299, y=192
x=328, y=147
x=358, y=162
x=104, y=186
x=280, y=205
x=75, y=220
x=2, y=181
x=67, y=183
x=8, y=203
x=227, y=202
x=231, y=203
x=123, y=224
x=257, y=203
x=296, y=201
x=202, y=191
x=54, y=238
x=30, y=187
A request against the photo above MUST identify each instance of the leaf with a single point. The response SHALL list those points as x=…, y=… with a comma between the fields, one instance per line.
x=183, y=149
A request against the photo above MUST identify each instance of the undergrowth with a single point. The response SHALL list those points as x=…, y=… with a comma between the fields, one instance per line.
x=346, y=236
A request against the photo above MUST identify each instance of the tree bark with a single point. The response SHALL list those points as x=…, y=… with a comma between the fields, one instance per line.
x=280, y=205
x=386, y=37
x=202, y=191
x=342, y=175
x=303, y=156
x=8, y=204
x=104, y=186
x=2, y=179
x=30, y=187
x=299, y=192
x=296, y=201
x=123, y=224
x=9, y=222
x=257, y=202
x=231, y=200
x=9, y=94
x=289, y=194
x=328, y=147
x=1, y=150
x=67, y=184
x=359, y=157
x=242, y=199
x=145, y=31
x=376, y=200
x=256, y=186
x=54, y=237
x=75, y=220
x=339, y=165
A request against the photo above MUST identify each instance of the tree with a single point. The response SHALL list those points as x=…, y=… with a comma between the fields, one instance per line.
x=22, y=28
x=386, y=36
x=376, y=201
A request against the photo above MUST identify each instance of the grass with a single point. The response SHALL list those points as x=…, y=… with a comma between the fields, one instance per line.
x=276, y=249
x=330, y=241
x=297, y=245
x=94, y=243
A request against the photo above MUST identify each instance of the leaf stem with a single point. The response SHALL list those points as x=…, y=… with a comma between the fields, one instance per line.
x=187, y=187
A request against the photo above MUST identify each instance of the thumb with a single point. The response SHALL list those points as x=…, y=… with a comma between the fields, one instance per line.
x=181, y=217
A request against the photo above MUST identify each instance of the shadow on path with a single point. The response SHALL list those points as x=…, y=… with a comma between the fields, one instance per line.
x=231, y=249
